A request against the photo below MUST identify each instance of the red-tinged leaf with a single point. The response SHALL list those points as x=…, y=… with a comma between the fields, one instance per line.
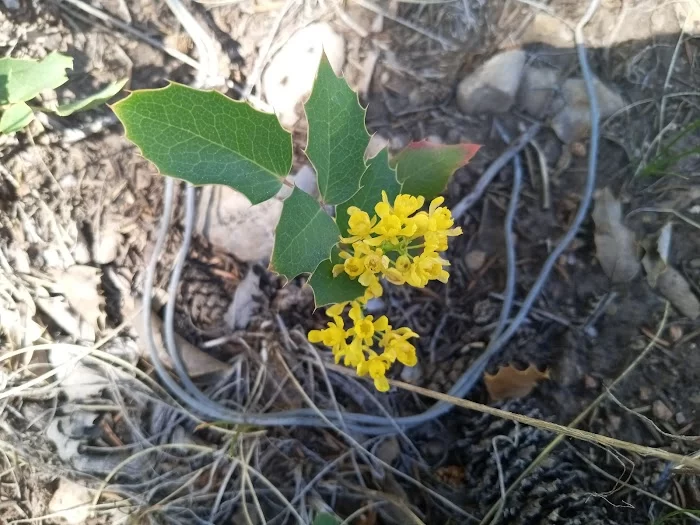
x=423, y=168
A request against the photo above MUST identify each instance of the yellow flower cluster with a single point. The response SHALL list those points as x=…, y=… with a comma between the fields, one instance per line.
x=355, y=345
x=399, y=243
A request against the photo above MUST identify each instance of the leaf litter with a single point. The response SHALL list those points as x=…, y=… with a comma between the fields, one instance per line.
x=480, y=464
x=616, y=245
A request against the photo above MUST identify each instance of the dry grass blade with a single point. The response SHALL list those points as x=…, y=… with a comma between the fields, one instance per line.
x=634, y=488
x=553, y=427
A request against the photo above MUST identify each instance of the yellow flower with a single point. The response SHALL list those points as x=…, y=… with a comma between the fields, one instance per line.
x=405, y=205
x=394, y=276
x=359, y=222
x=336, y=309
x=353, y=353
x=334, y=336
x=420, y=222
x=354, y=266
x=376, y=366
x=392, y=224
x=397, y=347
x=365, y=327
x=432, y=266
x=359, y=225
x=403, y=263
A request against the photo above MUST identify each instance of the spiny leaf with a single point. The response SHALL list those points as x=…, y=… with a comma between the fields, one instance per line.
x=204, y=137
x=423, y=168
x=23, y=79
x=304, y=237
x=330, y=290
x=379, y=176
x=337, y=135
x=93, y=100
x=15, y=117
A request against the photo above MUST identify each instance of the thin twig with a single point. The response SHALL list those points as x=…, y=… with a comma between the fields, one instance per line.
x=104, y=17
x=446, y=44
x=494, y=169
x=553, y=427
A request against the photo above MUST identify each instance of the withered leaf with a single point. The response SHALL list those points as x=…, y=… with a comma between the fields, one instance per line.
x=616, y=247
x=509, y=382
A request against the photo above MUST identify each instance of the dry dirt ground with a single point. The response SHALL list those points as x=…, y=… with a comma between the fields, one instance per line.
x=79, y=210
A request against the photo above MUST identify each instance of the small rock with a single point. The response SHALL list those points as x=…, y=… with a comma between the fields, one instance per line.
x=228, y=220
x=590, y=382
x=475, y=260
x=572, y=123
x=81, y=252
x=20, y=261
x=578, y=149
x=289, y=77
x=106, y=246
x=661, y=411
x=388, y=450
x=644, y=393
x=71, y=502
x=434, y=139
x=545, y=29
x=412, y=374
x=492, y=87
x=398, y=142
x=676, y=332
x=537, y=91
x=681, y=419
x=305, y=180
x=375, y=305
x=376, y=144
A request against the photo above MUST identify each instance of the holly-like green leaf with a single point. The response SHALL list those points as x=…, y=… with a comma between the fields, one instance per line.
x=330, y=290
x=93, y=100
x=15, y=117
x=379, y=176
x=204, y=137
x=423, y=168
x=337, y=135
x=325, y=518
x=304, y=237
x=23, y=79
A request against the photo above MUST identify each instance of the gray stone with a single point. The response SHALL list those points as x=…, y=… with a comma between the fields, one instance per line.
x=545, y=29
x=228, y=220
x=305, y=180
x=661, y=411
x=572, y=123
x=492, y=87
x=289, y=77
x=71, y=501
x=475, y=260
x=537, y=91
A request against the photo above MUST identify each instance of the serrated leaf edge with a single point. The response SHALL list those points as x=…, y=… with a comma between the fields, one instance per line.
x=364, y=121
x=114, y=108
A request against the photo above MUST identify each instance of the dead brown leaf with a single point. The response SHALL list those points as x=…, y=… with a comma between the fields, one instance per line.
x=616, y=247
x=509, y=382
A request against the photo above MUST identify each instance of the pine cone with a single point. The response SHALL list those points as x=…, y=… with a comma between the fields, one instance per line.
x=560, y=490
